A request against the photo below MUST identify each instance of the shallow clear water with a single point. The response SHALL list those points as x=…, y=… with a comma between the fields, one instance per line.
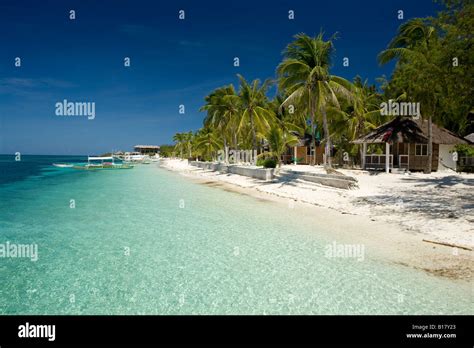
x=192, y=249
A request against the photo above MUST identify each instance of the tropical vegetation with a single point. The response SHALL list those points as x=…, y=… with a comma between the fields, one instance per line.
x=434, y=59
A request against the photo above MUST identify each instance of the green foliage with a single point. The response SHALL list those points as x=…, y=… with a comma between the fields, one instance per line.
x=167, y=150
x=464, y=150
x=269, y=163
x=304, y=76
x=256, y=115
x=435, y=59
x=310, y=99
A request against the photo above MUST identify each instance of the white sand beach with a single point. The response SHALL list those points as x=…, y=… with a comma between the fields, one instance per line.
x=388, y=209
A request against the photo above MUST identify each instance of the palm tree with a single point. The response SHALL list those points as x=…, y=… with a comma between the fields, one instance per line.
x=415, y=43
x=184, y=142
x=255, y=112
x=222, y=106
x=189, y=142
x=362, y=113
x=304, y=75
x=278, y=140
x=207, y=142
x=180, y=140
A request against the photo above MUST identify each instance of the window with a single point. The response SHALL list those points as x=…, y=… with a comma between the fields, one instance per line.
x=309, y=151
x=421, y=149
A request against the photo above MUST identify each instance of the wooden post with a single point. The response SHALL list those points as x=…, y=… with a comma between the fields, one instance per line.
x=387, y=157
x=296, y=153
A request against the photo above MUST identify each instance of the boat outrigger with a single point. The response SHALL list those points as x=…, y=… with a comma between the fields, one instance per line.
x=106, y=162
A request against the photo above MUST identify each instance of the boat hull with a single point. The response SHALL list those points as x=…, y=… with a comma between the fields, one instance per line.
x=104, y=167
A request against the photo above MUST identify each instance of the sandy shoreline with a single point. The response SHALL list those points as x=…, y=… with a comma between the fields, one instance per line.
x=392, y=213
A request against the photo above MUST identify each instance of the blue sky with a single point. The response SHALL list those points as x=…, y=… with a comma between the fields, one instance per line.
x=173, y=62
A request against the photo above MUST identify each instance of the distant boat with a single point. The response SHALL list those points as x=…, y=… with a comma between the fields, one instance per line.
x=106, y=162
x=63, y=165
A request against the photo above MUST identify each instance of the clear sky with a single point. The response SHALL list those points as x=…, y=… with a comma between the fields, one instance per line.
x=173, y=61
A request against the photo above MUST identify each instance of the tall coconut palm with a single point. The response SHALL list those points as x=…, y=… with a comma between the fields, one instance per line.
x=255, y=111
x=414, y=44
x=222, y=107
x=304, y=75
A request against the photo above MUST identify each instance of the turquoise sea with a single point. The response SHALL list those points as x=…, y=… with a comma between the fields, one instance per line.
x=148, y=241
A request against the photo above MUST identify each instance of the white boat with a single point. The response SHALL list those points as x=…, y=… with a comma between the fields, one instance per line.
x=63, y=165
x=104, y=162
x=135, y=157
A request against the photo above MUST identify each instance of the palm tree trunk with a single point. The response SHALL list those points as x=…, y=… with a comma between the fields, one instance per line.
x=226, y=152
x=328, y=139
x=254, y=135
x=235, y=141
x=430, y=145
x=313, y=136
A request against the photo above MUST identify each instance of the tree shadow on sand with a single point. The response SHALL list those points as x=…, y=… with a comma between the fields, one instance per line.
x=446, y=181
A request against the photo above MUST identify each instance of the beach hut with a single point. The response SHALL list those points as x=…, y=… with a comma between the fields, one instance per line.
x=404, y=143
x=303, y=151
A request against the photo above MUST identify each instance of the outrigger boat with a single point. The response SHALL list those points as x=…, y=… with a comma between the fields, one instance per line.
x=107, y=162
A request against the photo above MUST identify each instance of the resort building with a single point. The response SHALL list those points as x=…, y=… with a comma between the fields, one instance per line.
x=406, y=146
x=147, y=149
x=303, y=152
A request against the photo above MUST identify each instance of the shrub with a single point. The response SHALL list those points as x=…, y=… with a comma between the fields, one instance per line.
x=269, y=163
x=464, y=150
x=260, y=162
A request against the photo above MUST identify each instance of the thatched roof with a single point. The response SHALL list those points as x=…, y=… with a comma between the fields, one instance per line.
x=407, y=130
x=441, y=135
x=304, y=140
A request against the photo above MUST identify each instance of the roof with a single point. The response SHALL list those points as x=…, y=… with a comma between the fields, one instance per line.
x=407, y=130
x=441, y=135
x=146, y=147
x=304, y=140
x=470, y=137
x=91, y=158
